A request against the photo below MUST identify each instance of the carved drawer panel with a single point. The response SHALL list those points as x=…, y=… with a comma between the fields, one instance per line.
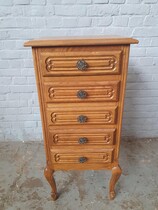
x=83, y=91
x=80, y=62
x=82, y=137
x=80, y=114
x=81, y=156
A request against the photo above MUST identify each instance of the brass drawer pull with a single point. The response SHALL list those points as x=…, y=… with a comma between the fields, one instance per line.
x=82, y=119
x=81, y=65
x=82, y=94
x=82, y=140
x=82, y=159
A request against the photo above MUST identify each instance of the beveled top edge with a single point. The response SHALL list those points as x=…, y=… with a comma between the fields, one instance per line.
x=80, y=41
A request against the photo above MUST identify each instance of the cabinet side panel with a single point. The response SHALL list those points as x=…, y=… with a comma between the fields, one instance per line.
x=41, y=101
x=124, y=71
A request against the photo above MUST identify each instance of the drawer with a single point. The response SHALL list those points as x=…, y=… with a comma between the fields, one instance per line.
x=81, y=114
x=73, y=155
x=80, y=61
x=88, y=90
x=80, y=137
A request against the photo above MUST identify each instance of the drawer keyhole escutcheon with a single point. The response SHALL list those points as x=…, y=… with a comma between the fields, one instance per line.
x=82, y=119
x=82, y=94
x=81, y=65
x=82, y=159
x=82, y=140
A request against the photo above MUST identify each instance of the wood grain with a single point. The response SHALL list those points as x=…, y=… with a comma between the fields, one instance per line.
x=79, y=41
x=81, y=133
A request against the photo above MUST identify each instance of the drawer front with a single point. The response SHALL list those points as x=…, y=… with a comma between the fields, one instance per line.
x=82, y=157
x=80, y=62
x=82, y=137
x=69, y=91
x=79, y=115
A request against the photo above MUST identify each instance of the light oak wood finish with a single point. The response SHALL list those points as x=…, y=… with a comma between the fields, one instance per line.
x=81, y=87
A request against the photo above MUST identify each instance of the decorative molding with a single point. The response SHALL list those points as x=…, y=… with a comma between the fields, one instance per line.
x=49, y=64
x=57, y=157
x=55, y=138
x=106, y=157
x=51, y=92
x=107, y=138
x=108, y=116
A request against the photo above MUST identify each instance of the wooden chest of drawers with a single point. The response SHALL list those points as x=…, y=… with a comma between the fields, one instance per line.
x=81, y=88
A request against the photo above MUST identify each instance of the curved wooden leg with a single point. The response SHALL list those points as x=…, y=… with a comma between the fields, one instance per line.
x=49, y=176
x=116, y=173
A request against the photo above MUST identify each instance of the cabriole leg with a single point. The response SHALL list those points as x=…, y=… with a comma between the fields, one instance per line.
x=49, y=176
x=116, y=173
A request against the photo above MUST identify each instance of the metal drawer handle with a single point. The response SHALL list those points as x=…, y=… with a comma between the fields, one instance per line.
x=82, y=140
x=82, y=94
x=82, y=119
x=81, y=65
x=82, y=159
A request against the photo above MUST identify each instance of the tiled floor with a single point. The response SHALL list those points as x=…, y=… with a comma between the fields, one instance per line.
x=23, y=186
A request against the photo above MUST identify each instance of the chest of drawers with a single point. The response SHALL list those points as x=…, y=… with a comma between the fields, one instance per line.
x=81, y=87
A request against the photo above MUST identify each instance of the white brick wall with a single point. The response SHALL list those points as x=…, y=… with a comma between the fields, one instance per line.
x=21, y=20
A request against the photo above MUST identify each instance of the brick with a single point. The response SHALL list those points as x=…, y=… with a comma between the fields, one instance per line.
x=133, y=1
x=20, y=80
x=38, y=22
x=84, y=22
x=4, y=89
x=5, y=81
x=7, y=23
x=34, y=11
x=154, y=10
x=31, y=80
x=4, y=35
x=100, y=1
x=150, y=1
x=135, y=9
x=6, y=2
x=54, y=2
x=68, y=1
x=152, y=51
x=69, y=22
x=70, y=10
x=9, y=72
x=49, y=10
x=26, y=110
x=117, y=1
x=10, y=54
x=27, y=72
x=120, y=21
x=38, y=2
x=154, y=41
x=5, y=11
x=21, y=2
x=136, y=21
x=18, y=10
x=10, y=44
x=102, y=10
x=12, y=111
x=4, y=64
x=25, y=96
x=145, y=42
x=54, y=22
x=30, y=124
x=23, y=89
x=2, y=98
x=145, y=32
x=151, y=21
x=83, y=1
x=146, y=61
x=106, y=21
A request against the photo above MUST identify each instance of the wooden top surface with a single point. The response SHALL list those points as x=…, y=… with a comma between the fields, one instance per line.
x=78, y=41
